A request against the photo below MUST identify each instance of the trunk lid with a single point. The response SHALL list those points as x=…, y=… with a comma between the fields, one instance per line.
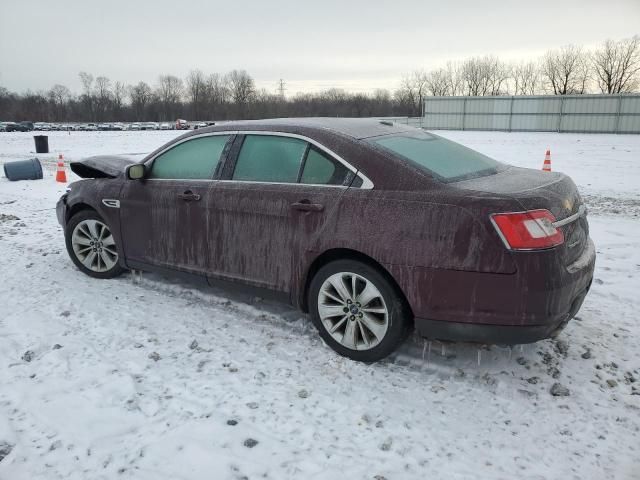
x=101, y=166
x=534, y=189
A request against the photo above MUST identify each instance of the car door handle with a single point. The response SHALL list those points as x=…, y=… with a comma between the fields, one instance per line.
x=307, y=206
x=189, y=196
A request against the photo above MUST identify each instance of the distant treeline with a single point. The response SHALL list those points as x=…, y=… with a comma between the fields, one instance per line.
x=613, y=67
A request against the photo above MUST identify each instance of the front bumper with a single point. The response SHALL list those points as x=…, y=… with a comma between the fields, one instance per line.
x=61, y=210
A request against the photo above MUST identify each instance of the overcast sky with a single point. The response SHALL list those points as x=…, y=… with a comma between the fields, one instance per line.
x=312, y=45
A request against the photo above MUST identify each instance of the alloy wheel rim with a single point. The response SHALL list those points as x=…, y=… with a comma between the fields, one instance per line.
x=94, y=246
x=353, y=311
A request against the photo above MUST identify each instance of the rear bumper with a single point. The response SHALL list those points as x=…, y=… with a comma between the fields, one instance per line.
x=534, y=303
x=497, y=334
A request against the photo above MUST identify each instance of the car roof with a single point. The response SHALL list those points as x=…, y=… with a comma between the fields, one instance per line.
x=357, y=128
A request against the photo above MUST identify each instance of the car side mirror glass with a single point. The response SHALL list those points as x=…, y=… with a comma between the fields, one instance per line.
x=135, y=171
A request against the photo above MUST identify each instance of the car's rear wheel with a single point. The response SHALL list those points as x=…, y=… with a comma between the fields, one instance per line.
x=91, y=245
x=357, y=310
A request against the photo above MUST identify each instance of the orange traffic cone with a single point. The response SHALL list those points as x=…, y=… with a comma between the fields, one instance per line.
x=61, y=175
x=546, y=166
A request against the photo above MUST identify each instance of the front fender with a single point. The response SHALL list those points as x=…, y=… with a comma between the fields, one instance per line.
x=90, y=194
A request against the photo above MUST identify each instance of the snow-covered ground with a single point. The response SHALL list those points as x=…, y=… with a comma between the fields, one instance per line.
x=160, y=379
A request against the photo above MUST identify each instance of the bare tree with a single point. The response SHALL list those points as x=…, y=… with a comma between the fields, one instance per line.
x=169, y=93
x=59, y=96
x=360, y=105
x=140, y=94
x=103, y=96
x=242, y=89
x=119, y=93
x=566, y=70
x=382, y=102
x=216, y=95
x=438, y=83
x=87, y=81
x=455, y=79
x=87, y=98
x=526, y=78
x=196, y=86
x=413, y=89
x=617, y=65
x=241, y=86
x=484, y=76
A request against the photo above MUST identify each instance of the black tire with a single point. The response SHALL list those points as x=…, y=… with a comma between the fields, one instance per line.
x=399, y=320
x=68, y=232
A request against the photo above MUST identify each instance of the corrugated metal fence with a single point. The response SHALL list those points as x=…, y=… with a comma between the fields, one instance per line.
x=546, y=113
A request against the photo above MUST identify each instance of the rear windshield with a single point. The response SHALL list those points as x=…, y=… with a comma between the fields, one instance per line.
x=446, y=160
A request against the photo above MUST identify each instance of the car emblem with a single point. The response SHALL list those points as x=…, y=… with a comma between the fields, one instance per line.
x=109, y=202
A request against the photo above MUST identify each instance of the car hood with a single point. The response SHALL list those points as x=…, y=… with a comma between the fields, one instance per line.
x=102, y=166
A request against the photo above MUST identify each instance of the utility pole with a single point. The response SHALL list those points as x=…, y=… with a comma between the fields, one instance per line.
x=281, y=88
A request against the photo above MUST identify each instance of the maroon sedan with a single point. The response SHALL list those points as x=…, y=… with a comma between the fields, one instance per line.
x=371, y=227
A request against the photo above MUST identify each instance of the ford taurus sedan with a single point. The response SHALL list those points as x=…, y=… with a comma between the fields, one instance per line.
x=372, y=228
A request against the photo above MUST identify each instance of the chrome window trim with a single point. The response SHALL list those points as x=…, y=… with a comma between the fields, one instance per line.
x=582, y=210
x=286, y=183
x=196, y=180
x=181, y=180
x=367, y=184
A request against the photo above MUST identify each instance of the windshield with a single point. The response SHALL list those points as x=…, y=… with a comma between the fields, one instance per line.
x=446, y=160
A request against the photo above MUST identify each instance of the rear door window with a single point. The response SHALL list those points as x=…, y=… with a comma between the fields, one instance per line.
x=269, y=158
x=193, y=159
x=446, y=160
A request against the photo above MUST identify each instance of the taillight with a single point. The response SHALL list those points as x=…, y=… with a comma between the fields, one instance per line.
x=527, y=230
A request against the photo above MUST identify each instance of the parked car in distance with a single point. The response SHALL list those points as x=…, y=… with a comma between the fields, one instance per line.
x=3, y=126
x=181, y=124
x=19, y=127
x=165, y=126
x=41, y=126
x=373, y=228
x=118, y=127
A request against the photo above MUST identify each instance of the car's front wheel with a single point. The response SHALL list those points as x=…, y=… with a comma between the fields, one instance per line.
x=357, y=310
x=91, y=245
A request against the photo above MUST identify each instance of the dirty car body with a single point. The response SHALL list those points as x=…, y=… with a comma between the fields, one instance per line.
x=496, y=254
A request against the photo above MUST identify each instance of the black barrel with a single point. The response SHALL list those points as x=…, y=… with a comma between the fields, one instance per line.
x=23, y=170
x=42, y=143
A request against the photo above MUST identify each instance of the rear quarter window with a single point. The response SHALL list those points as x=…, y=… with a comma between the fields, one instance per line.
x=320, y=169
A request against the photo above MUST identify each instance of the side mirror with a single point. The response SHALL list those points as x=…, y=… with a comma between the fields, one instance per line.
x=135, y=171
